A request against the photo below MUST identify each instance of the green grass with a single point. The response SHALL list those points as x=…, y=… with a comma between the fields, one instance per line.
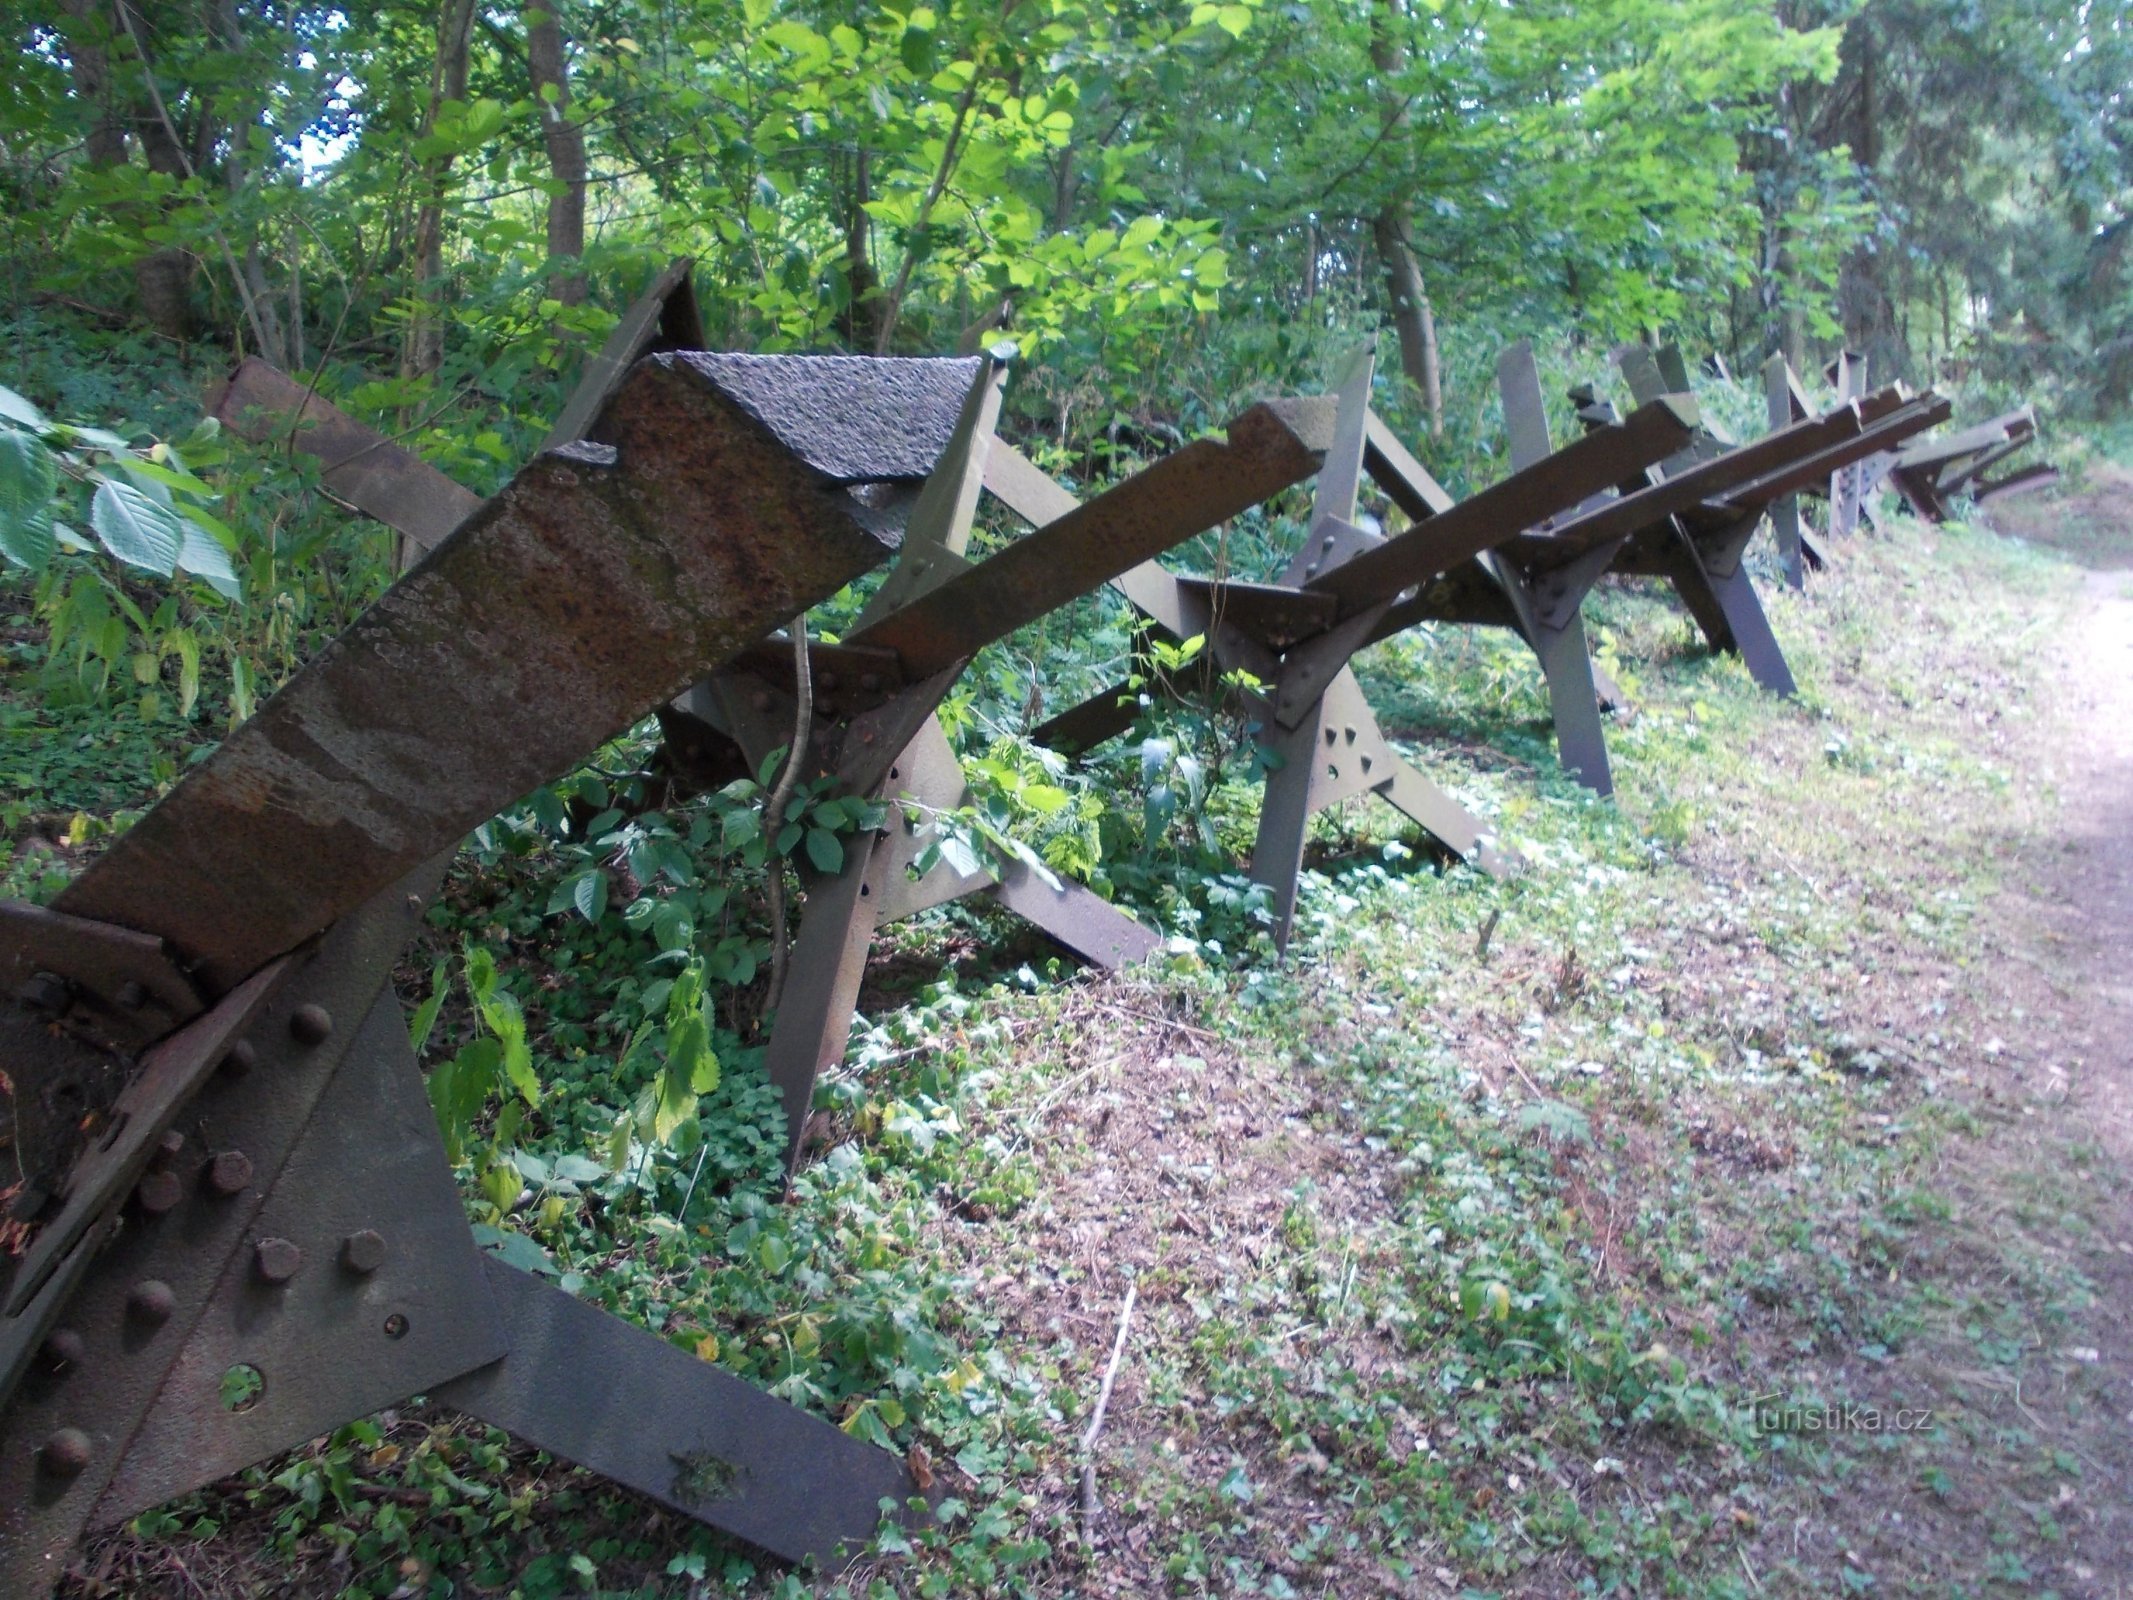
x=1461, y=1259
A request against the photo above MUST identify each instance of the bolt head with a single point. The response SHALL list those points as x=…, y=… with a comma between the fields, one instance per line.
x=66, y=1453
x=311, y=1025
x=761, y=700
x=63, y=1347
x=825, y=680
x=363, y=1251
x=243, y=1057
x=229, y=1172
x=159, y=1192
x=152, y=1300
x=47, y=991
x=168, y=1149
x=870, y=681
x=132, y=994
x=278, y=1259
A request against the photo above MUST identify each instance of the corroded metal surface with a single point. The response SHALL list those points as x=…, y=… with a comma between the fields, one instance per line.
x=124, y=1359
x=387, y=1297
x=1523, y=500
x=261, y=403
x=600, y=582
x=854, y=419
x=664, y=317
x=1179, y=496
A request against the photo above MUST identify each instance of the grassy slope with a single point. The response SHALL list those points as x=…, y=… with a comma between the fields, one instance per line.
x=1459, y=1254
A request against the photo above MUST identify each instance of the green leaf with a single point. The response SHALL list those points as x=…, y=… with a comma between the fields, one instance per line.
x=514, y=1249
x=28, y=480
x=672, y=927
x=424, y=1021
x=135, y=529
x=589, y=894
x=16, y=409
x=677, y=1104
x=825, y=850
x=202, y=555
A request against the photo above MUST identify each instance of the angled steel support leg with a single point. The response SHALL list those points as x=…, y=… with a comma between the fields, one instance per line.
x=1692, y=585
x=1285, y=817
x=1750, y=628
x=1785, y=513
x=1574, y=702
x=608, y=1395
x=1553, y=625
x=1075, y=915
x=823, y=976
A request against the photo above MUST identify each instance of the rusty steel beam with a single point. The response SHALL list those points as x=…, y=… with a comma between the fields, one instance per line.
x=1595, y=462
x=602, y=580
x=1171, y=501
x=338, y=1262
x=261, y=403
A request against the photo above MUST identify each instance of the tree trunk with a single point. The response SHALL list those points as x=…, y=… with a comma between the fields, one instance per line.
x=860, y=329
x=89, y=58
x=1412, y=319
x=549, y=68
x=423, y=352
x=1392, y=230
x=162, y=279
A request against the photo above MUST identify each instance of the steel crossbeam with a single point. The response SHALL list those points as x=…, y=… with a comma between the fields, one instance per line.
x=1346, y=589
x=1698, y=548
x=874, y=694
x=1932, y=472
x=1687, y=527
x=230, y=1164
x=876, y=731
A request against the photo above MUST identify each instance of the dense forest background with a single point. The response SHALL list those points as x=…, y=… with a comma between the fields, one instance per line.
x=1163, y=205
x=434, y=212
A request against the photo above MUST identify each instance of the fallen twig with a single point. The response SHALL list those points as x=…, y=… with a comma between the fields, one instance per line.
x=1159, y=1022
x=1096, y=1421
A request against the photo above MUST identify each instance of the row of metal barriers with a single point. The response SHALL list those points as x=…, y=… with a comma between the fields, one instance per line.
x=228, y=1160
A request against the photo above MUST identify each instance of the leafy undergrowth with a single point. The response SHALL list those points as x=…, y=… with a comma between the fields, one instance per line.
x=1465, y=1244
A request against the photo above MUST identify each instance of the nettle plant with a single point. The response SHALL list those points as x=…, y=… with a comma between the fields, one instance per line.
x=143, y=507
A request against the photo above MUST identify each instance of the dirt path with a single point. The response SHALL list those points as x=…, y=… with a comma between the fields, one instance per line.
x=2084, y=908
x=2062, y=973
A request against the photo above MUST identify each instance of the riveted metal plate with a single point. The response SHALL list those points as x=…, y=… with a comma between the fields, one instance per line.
x=332, y=1342
x=112, y=1389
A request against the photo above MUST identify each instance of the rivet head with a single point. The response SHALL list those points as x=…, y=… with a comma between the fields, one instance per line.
x=363, y=1251
x=159, y=1192
x=132, y=994
x=278, y=1259
x=761, y=700
x=243, y=1057
x=63, y=1347
x=229, y=1172
x=311, y=1024
x=47, y=991
x=66, y=1453
x=825, y=680
x=152, y=1300
x=870, y=681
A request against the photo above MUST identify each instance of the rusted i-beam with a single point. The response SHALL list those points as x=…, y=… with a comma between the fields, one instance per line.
x=264, y=1184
